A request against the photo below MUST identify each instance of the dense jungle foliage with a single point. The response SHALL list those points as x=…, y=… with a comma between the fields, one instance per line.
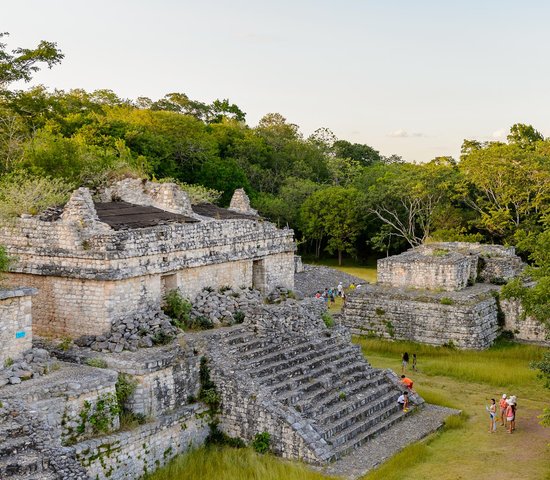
x=340, y=197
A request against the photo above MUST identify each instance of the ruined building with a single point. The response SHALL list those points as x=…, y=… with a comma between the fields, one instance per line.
x=95, y=262
x=96, y=271
x=443, y=293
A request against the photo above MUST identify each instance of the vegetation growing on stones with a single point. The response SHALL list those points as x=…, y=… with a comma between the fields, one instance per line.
x=328, y=319
x=261, y=442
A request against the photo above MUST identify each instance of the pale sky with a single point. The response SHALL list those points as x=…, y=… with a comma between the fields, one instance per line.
x=411, y=78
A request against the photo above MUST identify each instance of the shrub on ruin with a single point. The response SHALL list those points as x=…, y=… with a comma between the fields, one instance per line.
x=177, y=308
x=447, y=301
x=238, y=316
x=162, y=338
x=96, y=362
x=327, y=318
x=261, y=442
x=5, y=260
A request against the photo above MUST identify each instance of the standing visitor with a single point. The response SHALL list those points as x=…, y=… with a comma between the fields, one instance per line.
x=492, y=416
x=414, y=362
x=340, y=290
x=510, y=416
x=404, y=362
x=502, y=405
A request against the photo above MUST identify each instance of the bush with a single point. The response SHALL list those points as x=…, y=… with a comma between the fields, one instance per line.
x=447, y=301
x=96, y=362
x=238, y=316
x=5, y=260
x=177, y=308
x=23, y=193
x=261, y=442
x=327, y=318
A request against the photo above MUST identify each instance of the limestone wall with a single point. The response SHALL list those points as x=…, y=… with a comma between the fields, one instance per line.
x=15, y=322
x=523, y=327
x=449, y=271
x=468, y=319
x=130, y=455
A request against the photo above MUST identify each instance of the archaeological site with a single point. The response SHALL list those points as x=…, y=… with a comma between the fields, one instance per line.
x=98, y=382
x=443, y=294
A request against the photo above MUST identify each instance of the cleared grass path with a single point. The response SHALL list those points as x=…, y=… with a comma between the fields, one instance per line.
x=468, y=380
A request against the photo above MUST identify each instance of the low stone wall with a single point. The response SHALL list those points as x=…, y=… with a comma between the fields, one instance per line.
x=523, y=327
x=468, y=319
x=15, y=323
x=448, y=271
x=130, y=455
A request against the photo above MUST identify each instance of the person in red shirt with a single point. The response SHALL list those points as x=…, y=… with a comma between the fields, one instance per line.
x=407, y=382
x=502, y=405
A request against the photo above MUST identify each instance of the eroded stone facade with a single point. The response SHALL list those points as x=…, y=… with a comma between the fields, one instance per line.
x=89, y=274
x=429, y=294
x=15, y=323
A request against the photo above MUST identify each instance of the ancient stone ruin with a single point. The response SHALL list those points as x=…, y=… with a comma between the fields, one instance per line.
x=443, y=293
x=98, y=270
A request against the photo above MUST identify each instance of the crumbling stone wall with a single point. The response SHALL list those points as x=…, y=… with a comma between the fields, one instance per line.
x=467, y=319
x=129, y=455
x=15, y=323
x=523, y=327
x=90, y=275
x=421, y=269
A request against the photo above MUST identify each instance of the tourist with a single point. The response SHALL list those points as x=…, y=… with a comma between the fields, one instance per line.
x=502, y=405
x=407, y=382
x=340, y=290
x=403, y=400
x=318, y=294
x=332, y=300
x=352, y=286
x=325, y=296
x=414, y=362
x=514, y=403
x=404, y=362
x=492, y=409
x=510, y=415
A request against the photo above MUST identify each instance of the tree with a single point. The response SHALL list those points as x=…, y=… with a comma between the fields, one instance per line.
x=21, y=63
x=543, y=366
x=333, y=213
x=507, y=185
x=361, y=153
x=407, y=197
x=525, y=136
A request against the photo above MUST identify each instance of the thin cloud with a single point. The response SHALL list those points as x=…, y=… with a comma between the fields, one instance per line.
x=499, y=133
x=404, y=134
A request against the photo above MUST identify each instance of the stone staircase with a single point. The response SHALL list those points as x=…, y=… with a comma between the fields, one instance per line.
x=19, y=457
x=319, y=382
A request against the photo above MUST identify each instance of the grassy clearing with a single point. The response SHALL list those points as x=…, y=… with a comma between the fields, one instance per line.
x=468, y=380
x=366, y=272
x=231, y=464
x=504, y=365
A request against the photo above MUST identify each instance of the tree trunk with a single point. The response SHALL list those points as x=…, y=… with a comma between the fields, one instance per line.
x=339, y=258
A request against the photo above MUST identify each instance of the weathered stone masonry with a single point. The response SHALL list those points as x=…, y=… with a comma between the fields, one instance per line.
x=15, y=323
x=90, y=274
x=429, y=294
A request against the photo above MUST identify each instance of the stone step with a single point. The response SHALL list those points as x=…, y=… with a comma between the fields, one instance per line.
x=10, y=428
x=276, y=355
x=44, y=475
x=14, y=444
x=353, y=412
x=350, y=374
x=22, y=464
x=299, y=364
x=351, y=389
x=261, y=347
x=389, y=417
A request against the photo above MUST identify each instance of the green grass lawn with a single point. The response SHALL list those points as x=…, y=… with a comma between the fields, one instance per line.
x=366, y=272
x=468, y=380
